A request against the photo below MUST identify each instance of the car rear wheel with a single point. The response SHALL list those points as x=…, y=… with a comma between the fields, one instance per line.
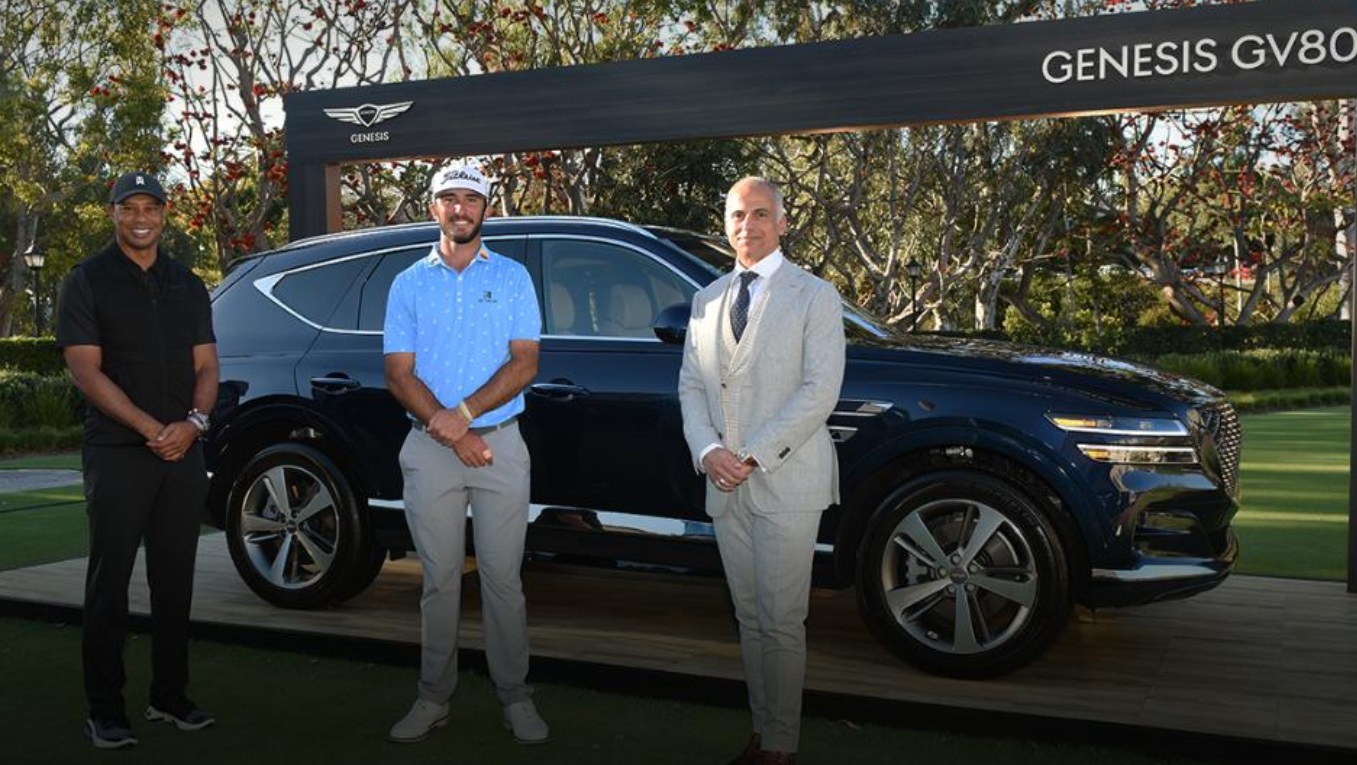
x=295, y=530
x=961, y=574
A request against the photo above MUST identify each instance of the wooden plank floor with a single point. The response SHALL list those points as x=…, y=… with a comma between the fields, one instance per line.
x=1272, y=660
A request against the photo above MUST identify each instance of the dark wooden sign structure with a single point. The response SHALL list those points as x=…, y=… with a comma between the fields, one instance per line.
x=1258, y=52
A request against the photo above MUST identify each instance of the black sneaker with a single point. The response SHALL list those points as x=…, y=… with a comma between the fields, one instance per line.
x=185, y=715
x=112, y=733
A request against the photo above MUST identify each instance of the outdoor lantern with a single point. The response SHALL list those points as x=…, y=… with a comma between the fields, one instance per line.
x=914, y=270
x=35, y=259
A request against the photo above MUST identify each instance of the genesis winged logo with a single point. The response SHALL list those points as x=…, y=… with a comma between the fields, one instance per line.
x=368, y=115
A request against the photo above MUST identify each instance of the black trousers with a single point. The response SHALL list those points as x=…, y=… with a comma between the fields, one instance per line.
x=132, y=495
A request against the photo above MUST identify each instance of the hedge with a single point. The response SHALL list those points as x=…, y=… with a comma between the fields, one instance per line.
x=31, y=354
x=1262, y=369
x=1311, y=335
x=29, y=401
x=40, y=440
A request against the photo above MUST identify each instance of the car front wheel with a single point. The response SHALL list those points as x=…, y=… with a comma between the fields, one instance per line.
x=962, y=575
x=295, y=531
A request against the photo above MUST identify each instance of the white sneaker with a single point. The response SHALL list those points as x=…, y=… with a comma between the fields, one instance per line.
x=422, y=718
x=522, y=720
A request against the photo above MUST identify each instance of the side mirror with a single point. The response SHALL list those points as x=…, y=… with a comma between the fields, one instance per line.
x=671, y=326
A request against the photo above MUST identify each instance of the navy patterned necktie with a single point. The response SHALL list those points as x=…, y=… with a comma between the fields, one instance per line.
x=739, y=311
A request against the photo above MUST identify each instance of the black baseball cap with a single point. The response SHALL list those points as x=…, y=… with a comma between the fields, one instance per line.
x=136, y=183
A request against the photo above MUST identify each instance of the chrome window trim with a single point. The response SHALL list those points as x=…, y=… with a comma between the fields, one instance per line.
x=266, y=284
x=620, y=225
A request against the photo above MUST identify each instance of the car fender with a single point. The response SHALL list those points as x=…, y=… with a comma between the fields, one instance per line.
x=872, y=471
x=306, y=423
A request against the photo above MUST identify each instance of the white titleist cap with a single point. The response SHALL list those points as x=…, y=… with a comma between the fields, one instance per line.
x=460, y=176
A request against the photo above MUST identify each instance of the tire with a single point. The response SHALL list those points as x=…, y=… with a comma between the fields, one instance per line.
x=963, y=547
x=295, y=529
x=364, y=573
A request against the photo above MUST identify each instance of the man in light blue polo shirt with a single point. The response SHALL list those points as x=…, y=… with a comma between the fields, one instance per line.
x=462, y=330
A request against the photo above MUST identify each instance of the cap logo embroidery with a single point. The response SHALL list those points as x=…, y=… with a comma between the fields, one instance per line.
x=141, y=181
x=460, y=175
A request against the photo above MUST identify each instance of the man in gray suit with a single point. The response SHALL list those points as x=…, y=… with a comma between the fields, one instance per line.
x=761, y=374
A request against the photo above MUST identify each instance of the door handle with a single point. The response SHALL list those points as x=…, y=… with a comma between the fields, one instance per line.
x=335, y=383
x=558, y=391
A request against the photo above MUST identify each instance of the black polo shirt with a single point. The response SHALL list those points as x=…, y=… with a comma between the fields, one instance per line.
x=146, y=323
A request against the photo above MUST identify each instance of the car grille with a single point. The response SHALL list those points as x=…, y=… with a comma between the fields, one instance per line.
x=1221, y=427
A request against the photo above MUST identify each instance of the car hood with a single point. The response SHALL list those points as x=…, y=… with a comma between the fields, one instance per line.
x=1062, y=367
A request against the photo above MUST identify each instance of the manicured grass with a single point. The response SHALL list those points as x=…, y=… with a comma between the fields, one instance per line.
x=42, y=526
x=1293, y=520
x=59, y=461
x=276, y=707
x=281, y=707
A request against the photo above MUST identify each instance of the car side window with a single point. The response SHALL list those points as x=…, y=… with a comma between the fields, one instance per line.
x=314, y=292
x=372, y=303
x=597, y=289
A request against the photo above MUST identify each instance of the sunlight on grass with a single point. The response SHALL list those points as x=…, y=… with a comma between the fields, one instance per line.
x=1275, y=490
x=1265, y=518
x=1341, y=469
x=1293, y=519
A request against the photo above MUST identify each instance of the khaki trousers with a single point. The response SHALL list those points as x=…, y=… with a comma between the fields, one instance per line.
x=438, y=490
x=767, y=558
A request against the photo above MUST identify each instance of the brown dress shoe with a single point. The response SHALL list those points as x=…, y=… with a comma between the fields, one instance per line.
x=777, y=758
x=752, y=752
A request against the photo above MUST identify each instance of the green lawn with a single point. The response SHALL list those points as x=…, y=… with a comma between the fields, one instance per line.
x=64, y=461
x=282, y=707
x=279, y=707
x=1293, y=520
x=42, y=526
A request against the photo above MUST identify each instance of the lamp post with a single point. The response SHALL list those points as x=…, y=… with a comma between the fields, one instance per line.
x=35, y=259
x=1224, y=264
x=913, y=269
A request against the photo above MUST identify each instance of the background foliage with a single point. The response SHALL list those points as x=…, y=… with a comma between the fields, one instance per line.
x=1069, y=231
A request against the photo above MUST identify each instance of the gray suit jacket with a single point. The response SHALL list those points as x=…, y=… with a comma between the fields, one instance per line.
x=771, y=393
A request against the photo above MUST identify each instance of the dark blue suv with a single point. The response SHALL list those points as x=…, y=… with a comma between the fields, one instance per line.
x=986, y=487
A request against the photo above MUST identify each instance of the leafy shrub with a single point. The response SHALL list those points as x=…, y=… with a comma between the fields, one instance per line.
x=30, y=400
x=34, y=440
x=1271, y=400
x=1330, y=334
x=1090, y=311
x=31, y=354
x=1261, y=369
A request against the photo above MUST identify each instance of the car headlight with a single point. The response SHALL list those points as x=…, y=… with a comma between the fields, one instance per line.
x=1159, y=429
x=1140, y=455
x=1118, y=426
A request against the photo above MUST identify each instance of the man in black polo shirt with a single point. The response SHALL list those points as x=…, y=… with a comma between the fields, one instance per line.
x=135, y=328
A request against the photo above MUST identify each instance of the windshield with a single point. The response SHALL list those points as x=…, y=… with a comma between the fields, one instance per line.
x=711, y=252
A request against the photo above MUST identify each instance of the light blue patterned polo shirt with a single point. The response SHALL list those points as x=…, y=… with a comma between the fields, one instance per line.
x=459, y=325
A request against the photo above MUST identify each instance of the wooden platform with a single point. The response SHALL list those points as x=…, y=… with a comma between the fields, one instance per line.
x=1268, y=660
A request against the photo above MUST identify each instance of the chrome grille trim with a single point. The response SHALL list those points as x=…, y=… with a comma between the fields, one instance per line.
x=1220, y=423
